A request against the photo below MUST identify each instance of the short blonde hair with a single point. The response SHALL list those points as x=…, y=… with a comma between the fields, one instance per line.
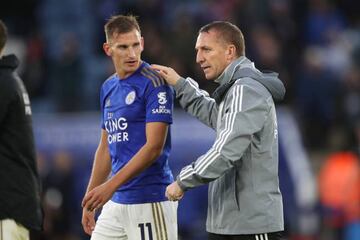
x=120, y=24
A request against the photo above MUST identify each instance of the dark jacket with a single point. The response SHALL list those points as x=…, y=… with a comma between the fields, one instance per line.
x=19, y=178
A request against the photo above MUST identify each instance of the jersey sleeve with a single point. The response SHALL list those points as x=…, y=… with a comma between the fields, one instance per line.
x=159, y=103
x=102, y=108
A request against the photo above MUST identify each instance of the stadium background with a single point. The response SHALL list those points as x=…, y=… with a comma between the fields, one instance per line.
x=313, y=44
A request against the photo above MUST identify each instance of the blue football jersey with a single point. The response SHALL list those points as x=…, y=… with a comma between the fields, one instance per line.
x=126, y=106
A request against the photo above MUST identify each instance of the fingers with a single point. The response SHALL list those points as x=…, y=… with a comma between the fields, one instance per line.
x=179, y=197
x=92, y=205
x=95, y=205
x=162, y=70
x=159, y=67
x=169, y=74
x=91, y=202
x=88, y=219
x=174, y=199
x=174, y=192
x=173, y=196
x=88, y=222
x=168, y=196
x=87, y=228
x=87, y=197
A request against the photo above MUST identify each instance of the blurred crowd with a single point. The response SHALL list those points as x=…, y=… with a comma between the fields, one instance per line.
x=313, y=44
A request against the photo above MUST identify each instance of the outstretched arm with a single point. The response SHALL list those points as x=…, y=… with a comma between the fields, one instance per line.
x=194, y=100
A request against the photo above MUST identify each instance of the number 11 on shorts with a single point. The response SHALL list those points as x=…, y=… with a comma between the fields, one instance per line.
x=142, y=230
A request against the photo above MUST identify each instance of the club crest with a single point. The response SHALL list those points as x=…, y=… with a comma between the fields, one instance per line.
x=130, y=98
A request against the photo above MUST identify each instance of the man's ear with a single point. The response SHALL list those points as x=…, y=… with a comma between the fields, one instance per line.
x=142, y=43
x=107, y=49
x=231, y=52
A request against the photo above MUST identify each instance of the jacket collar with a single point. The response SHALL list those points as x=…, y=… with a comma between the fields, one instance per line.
x=243, y=67
x=229, y=71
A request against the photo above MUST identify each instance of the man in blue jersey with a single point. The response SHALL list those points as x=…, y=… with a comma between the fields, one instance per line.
x=136, y=107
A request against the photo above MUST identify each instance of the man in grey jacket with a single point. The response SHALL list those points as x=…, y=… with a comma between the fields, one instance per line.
x=244, y=200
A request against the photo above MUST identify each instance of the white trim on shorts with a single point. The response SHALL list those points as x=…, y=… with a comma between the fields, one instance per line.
x=10, y=229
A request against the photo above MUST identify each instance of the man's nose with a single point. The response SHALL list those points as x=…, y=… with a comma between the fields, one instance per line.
x=132, y=52
x=199, y=57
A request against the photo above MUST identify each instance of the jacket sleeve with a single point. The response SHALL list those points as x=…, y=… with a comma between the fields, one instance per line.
x=5, y=95
x=196, y=101
x=245, y=114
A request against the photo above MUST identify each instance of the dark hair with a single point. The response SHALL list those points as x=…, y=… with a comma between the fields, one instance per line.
x=229, y=33
x=120, y=24
x=3, y=35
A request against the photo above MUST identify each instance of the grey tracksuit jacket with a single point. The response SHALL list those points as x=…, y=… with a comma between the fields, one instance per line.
x=242, y=164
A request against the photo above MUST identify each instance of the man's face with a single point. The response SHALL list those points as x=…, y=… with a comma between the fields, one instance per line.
x=212, y=54
x=125, y=50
